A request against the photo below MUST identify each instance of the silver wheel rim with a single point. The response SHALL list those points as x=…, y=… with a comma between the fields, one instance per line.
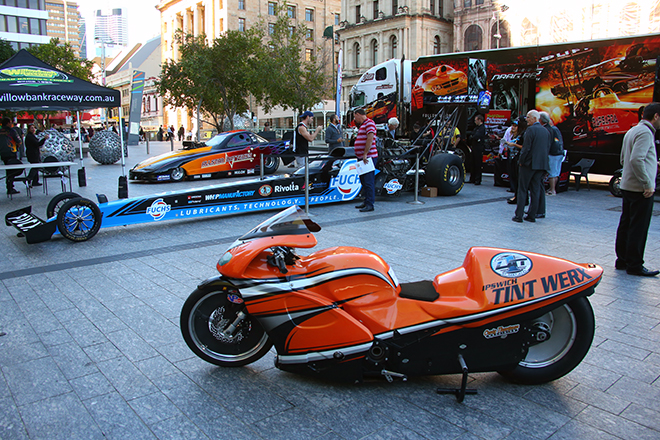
x=563, y=330
x=212, y=322
x=453, y=175
x=177, y=174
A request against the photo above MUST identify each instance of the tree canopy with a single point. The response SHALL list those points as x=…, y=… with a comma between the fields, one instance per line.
x=268, y=63
x=61, y=56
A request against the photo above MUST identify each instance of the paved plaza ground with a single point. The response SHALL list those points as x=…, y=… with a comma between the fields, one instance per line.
x=93, y=349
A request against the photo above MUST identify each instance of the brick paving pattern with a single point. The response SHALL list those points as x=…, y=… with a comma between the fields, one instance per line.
x=93, y=349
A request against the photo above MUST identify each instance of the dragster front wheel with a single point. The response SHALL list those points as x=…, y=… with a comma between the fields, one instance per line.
x=58, y=201
x=79, y=219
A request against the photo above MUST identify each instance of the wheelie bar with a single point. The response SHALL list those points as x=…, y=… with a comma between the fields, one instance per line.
x=462, y=391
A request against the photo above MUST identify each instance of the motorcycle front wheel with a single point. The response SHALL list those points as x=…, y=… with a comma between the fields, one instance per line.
x=571, y=332
x=207, y=317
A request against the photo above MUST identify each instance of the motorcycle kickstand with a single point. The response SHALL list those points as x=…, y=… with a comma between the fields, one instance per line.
x=462, y=391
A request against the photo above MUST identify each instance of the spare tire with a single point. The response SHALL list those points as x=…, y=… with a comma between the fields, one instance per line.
x=445, y=172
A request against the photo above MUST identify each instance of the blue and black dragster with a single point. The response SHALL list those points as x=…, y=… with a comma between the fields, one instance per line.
x=332, y=178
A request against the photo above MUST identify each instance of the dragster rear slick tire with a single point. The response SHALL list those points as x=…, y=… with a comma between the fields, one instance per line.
x=572, y=331
x=445, y=172
x=206, y=316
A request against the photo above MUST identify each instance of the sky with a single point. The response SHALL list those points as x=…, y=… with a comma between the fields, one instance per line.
x=143, y=19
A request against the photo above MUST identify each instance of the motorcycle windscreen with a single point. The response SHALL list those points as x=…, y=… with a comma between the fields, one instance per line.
x=291, y=221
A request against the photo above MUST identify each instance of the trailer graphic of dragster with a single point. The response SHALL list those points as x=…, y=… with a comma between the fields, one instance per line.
x=331, y=180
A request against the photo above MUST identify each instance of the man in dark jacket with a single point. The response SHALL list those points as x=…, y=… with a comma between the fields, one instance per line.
x=9, y=144
x=478, y=143
x=32, y=145
x=533, y=163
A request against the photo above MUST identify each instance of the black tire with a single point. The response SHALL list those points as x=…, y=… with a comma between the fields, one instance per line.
x=79, y=219
x=572, y=330
x=447, y=173
x=56, y=203
x=206, y=314
x=615, y=184
x=271, y=164
x=178, y=174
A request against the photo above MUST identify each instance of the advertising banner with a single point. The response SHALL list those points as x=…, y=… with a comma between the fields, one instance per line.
x=135, y=113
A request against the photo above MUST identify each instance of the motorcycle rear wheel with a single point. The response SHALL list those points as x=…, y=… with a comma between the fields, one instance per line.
x=205, y=317
x=572, y=330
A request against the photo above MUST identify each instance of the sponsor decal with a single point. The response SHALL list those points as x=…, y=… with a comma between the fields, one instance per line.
x=288, y=188
x=25, y=222
x=158, y=209
x=233, y=195
x=511, y=264
x=348, y=180
x=501, y=331
x=235, y=298
x=265, y=190
x=163, y=177
x=393, y=186
x=215, y=162
x=32, y=74
x=194, y=199
x=512, y=290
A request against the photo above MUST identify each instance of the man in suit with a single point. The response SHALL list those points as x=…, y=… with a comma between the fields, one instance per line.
x=533, y=164
x=333, y=134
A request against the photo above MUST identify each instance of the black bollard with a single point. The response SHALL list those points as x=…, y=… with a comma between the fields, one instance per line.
x=82, y=178
x=123, y=187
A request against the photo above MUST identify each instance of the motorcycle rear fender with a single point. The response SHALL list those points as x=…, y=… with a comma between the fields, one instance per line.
x=492, y=279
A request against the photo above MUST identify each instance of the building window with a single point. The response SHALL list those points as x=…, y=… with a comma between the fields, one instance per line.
x=221, y=25
x=241, y=4
x=292, y=29
x=358, y=14
x=291, y=11
x=23, y=25
x=374, y=52
x=467, y=3
x=473, y=38
x=336, y=19
x=271, y=28
x=356, y=50
x=241, y=24
x=436, y=45
x=376, y=9
x=309, y=35
x=393, y=45
x=309, y=14
x=432, y=7
x=11, y=24
x=395, y=7
x=479, y=2
x=271, y=8
x=309, y=54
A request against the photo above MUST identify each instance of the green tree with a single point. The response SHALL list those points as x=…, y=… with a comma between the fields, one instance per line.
x=292, y=77
x=218, y=78
x=62, y=57
x=6, y=51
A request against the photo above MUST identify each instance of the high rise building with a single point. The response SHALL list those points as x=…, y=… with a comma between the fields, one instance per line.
x=64, y=22
x=110, y=27
x=23, y=22
x=82, y=32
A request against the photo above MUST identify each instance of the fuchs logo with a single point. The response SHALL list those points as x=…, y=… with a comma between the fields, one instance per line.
x=502, y=331
x=511, y=264
x=265, y=190
x=158, y=209
x=348, y=180
x=393, y=186
x=290, y=187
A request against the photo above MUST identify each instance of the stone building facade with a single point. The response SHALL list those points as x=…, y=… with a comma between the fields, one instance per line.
x=373, y=31
x=214, y=17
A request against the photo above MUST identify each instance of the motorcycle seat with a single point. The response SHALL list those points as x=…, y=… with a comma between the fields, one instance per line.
x=419, y=290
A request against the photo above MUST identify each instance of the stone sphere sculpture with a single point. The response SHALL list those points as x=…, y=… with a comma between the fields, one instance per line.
x=105, y=147
x=57, y=145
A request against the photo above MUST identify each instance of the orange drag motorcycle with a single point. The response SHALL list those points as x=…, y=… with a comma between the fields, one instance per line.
x=340, y=313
